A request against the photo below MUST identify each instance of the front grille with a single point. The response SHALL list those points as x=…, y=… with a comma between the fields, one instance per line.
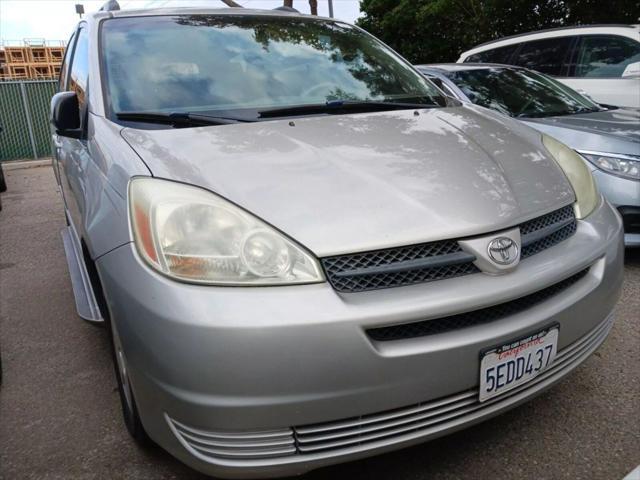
x=426, y=262
x=546, y=231
x=393, y=267
x=429, y=418
x=549, y=241
x=539, y=223
x=468, y=319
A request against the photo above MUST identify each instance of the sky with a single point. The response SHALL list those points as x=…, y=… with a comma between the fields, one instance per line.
x=55, y=19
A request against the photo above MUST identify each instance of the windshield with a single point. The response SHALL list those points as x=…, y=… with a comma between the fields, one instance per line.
x=237, y=63
x=520, y=93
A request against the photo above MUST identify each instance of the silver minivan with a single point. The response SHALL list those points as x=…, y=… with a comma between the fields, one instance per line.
x=302, y=251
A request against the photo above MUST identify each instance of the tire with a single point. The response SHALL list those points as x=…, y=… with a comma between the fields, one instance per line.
x=127, y=400
x=130, y=413
x=3, y=183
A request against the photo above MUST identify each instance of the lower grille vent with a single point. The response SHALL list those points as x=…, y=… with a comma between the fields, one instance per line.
x=468, y=319
x=234, y=445
x=429, y=418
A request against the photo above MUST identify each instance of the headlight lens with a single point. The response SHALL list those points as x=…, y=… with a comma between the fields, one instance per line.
x=193, y=235
x=622, y=165
x=578, y=174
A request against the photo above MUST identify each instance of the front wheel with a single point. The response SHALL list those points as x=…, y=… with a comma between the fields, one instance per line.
x=129, y=407
x=3, y=183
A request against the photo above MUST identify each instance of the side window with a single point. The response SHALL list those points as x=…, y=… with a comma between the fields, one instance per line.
x=605, y=56
x=547, y=56
x=496, y=55
x=448, y=90
x=442, y=86
x=79, y=74
x=66, y=61
x=436, y=80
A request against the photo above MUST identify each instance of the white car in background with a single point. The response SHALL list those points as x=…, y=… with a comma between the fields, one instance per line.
x=602, y=61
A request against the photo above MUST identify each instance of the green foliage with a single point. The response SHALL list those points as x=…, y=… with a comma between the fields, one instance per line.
x=439, y=30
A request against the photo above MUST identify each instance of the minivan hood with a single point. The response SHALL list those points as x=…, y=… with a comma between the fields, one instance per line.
x=613, y=131
x=359, y=182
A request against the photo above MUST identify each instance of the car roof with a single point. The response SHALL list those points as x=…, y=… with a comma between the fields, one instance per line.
x=629, y=31
x=559, y=29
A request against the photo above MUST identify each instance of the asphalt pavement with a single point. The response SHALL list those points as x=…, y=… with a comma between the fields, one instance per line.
x=60, y=413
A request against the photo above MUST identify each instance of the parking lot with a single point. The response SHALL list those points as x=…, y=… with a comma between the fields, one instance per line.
x=60, y=413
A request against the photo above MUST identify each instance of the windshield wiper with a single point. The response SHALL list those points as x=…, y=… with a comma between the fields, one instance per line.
x=558, y=114
x=178, y=118
x=340, y=106
x=586, y=110
x=540, y=114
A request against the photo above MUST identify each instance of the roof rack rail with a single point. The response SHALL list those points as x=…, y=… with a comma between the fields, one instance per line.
x=110, y=6
x=287, y=9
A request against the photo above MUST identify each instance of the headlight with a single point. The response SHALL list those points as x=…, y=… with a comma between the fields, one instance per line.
x=627, y=166
x=193, y=235
x=578, y=174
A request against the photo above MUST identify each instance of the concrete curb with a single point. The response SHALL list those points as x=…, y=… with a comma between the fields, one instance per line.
x=19, y=164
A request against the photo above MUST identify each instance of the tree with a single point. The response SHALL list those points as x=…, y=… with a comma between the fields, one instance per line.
x=439, y=30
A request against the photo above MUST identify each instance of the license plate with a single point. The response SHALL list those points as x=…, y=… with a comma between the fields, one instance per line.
x=515, y=363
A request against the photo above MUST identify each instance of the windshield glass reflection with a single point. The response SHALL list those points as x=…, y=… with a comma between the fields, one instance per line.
x=230, y=62
x=520, y=93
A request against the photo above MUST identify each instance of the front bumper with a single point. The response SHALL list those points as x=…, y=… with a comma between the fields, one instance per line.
x=621, y=192
x=241, y=363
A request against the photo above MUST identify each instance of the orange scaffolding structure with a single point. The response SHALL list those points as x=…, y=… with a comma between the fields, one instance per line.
x=31, y=60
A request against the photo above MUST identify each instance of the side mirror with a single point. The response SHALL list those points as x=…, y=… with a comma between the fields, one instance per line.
x=632, y=70
x=65, y=114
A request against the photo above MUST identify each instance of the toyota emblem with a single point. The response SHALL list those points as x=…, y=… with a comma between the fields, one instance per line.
x=503, y=250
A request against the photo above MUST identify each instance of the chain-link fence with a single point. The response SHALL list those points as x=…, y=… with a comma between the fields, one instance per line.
x=24, y=118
